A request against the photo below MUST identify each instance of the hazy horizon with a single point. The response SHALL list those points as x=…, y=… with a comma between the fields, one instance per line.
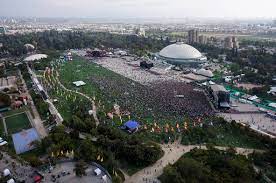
x=120, y=9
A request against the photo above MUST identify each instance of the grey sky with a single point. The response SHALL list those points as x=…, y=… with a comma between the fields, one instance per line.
x=139, y=8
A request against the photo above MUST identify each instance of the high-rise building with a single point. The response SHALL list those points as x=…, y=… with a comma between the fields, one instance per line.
x=274, y=23
x=235, y=42
x=231, y=42
x=202, y=39
x=228, y=43
x=192, y=36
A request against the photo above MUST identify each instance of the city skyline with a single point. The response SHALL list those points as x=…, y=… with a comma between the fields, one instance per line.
x=138, y=9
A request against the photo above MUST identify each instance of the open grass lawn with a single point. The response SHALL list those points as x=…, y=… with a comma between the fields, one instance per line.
x=17, y=122
x=80, y=69
x=12, y=112
x=225, y=134
x=235, y=137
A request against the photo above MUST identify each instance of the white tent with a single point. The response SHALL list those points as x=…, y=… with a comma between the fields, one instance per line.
x=211, y=83
x=6, y=172
x=253, y=98
x=79, y=83
x=3, y=143
x=97, y=171
x=205, y=72
x=11, y=181
x=104, y=178
x=272, y=105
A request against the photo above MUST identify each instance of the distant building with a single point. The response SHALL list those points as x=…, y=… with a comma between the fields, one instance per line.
x=202, y=39
x=231, y=42
x=192, y=36
x=140, y=32
x=2, y=30
x=228, y=43
x=182, y=54
x=235, y=42
x=274, y=23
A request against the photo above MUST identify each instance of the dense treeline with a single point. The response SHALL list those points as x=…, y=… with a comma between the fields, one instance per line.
x=210, y=166
x=257, y=65
x=221, y=132
x=14, y=44
x=212, y=52
x=116, y=148
x=131, y=149
x=81, y=120
x=266, y=162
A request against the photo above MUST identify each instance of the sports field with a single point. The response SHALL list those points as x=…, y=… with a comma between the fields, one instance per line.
x=17, y=122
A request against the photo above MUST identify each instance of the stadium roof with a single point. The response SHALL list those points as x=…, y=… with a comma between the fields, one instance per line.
x=181, y=51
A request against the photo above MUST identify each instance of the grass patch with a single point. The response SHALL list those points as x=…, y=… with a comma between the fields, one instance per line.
x=223, y=134
x=17, y=122
x=16, y=111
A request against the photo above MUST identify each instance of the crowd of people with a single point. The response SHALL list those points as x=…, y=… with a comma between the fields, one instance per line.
x=158, y=100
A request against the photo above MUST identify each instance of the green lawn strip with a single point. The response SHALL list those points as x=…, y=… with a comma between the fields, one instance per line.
x=17, y=122
x=12, y=112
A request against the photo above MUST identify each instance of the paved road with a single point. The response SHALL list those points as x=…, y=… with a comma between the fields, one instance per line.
x=36, y=120
x=172, y=153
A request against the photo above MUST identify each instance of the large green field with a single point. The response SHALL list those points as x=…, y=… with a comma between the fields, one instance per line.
x=17, y=122
x=94, y=75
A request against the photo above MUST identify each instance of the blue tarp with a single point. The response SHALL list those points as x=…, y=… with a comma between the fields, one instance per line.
x=23, y=140
x=132, y=124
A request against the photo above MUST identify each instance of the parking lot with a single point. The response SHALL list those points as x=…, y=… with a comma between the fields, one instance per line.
x=64, y=172
x=251, y=115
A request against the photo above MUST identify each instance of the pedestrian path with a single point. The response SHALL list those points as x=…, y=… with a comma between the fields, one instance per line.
x=172, y=153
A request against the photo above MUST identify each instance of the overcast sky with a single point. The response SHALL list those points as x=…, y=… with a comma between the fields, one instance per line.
x=139, y=8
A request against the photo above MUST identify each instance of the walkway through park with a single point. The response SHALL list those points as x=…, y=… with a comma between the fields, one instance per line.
x=36, y=120
x=172, y=153
x=94, y=108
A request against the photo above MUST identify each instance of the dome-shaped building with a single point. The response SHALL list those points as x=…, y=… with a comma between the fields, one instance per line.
x=182, y=54
x=29, y=47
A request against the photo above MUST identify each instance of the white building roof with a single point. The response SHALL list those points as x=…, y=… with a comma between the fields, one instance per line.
x=6, y=172
x=97, y=171
x=35, y=57
x=11, y=181
x=205, y=72
x=180, y=51
x=272, y=105
x=79, y=83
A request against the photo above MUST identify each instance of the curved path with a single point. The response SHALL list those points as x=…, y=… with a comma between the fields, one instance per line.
x=94, y=108
x=172, y=153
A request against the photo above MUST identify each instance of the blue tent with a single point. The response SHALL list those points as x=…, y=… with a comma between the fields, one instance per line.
x=131, y=125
